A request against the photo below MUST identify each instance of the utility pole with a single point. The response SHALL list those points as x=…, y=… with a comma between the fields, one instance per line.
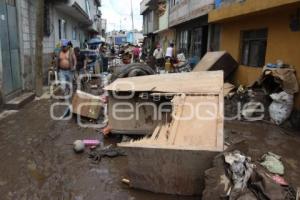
x=132, y=22
x=39, y=47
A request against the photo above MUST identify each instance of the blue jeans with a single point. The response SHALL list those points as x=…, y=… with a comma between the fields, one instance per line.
x=65, y=76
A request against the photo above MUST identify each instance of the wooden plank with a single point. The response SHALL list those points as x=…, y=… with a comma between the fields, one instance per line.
x=168, y=171
x=194, y=82
x=156, y=132
x=178, y=114
x=200, y=125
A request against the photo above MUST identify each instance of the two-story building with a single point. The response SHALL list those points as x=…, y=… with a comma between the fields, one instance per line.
x=183, y=22
x=75, y=20
x=150, y=22
x=189, y=18
x=257, y=32
x=163, y=34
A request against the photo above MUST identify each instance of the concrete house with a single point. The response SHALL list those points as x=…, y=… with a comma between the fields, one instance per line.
x=150, y=21
x=75, y=20
x=257, y=32
x=189, y=18
x=183, y=22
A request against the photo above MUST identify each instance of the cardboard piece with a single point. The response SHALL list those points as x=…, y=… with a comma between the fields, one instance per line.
x=87, y=105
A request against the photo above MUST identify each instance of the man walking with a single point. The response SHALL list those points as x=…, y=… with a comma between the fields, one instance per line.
x=66, y=64
x=159, y=56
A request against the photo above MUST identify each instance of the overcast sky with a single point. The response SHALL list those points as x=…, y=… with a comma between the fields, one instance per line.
x=116, y=11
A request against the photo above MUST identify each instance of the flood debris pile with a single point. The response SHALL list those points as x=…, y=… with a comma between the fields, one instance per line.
x=270, y=98
x=180, y=120
x=236, y=176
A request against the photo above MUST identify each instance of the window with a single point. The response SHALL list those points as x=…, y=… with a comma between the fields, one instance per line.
x=11, y=2
x=87, y=8
x=74, y=33
x=150, y=16
x=62, y=28
x=184, y=38
x=47, y=29
x=254, y=45
x=174, y=2
x=197, y=42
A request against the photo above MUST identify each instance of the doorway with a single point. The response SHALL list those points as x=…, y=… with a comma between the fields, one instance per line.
x=10, y=47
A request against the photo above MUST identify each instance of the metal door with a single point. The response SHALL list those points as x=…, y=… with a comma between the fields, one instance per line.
x=10, y=48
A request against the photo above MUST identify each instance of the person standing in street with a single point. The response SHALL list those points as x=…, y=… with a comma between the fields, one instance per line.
x=85, y=44
x=81, y=61
x=81, y=68
x=66, y=64
x=170, y=55
x=103, y=58
x=159, y=56
x=136, y=54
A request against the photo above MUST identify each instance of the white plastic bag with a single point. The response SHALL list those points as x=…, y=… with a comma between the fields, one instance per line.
x=281, y=107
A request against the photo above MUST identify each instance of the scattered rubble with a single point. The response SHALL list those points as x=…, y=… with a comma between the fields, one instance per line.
x=272, y=163
x=186, y=146
x=248, y=180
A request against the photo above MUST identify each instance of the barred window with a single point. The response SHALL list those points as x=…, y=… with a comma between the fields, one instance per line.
x=254, y=45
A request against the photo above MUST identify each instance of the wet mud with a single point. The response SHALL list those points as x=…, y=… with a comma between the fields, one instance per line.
x=37, y=161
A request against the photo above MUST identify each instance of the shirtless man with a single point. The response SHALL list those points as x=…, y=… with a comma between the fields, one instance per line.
x=66, y=64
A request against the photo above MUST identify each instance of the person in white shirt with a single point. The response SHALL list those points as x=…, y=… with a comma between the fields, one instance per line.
x=170, y=51
x=158, y=54
x=170, y=56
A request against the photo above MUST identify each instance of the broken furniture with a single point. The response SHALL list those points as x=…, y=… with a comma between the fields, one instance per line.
x=218, y=60
x=148, y=91
x=173, y=159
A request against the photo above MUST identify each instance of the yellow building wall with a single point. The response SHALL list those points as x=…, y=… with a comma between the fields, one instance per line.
x=246, y=7
x=282, y=43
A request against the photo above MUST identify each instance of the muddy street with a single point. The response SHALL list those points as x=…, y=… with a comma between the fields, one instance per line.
x=38, y=162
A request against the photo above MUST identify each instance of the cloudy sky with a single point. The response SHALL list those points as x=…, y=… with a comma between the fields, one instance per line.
x=117, y=13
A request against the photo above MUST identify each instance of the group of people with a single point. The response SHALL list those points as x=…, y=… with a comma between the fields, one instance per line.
x=71, y=62
x=164, y=58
